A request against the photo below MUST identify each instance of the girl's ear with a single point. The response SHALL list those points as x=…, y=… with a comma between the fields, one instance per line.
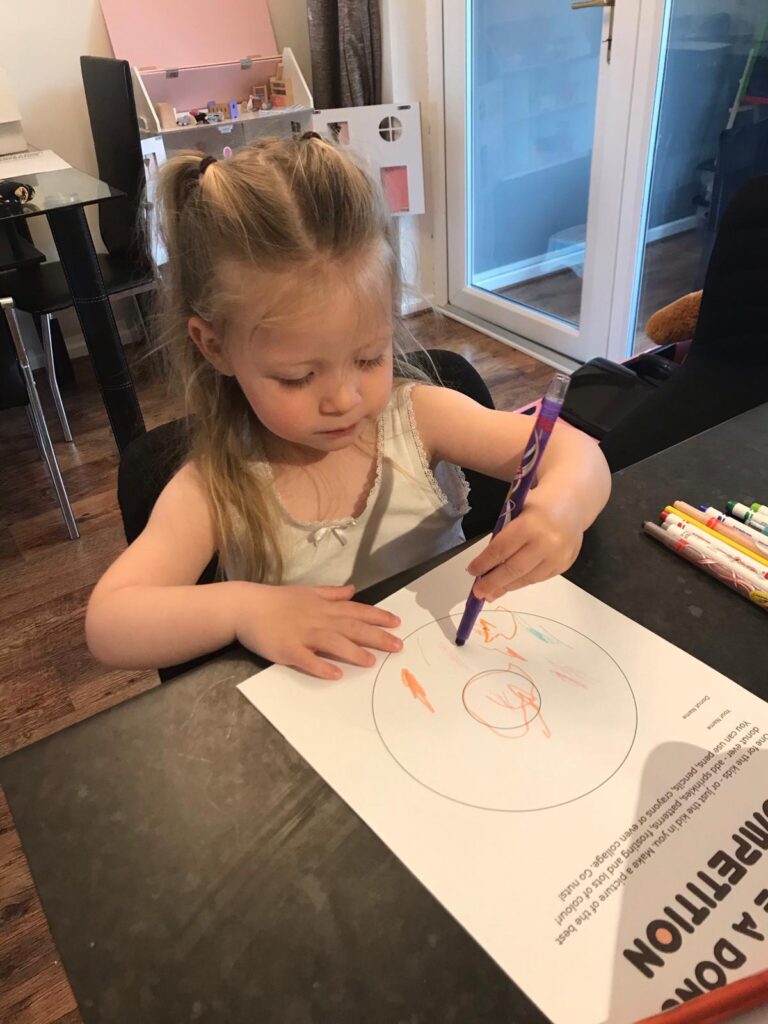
x=209, y=343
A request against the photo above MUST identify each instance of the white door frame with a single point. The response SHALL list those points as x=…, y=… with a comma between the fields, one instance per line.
x=627, y=100
x=638, y=166
x=437, y=208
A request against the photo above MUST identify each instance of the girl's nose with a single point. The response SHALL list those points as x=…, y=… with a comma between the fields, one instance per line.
x=340, y=399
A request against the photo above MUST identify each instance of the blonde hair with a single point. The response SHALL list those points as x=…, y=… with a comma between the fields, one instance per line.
x=282, y=206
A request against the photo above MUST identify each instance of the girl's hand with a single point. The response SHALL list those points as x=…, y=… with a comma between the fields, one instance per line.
x=292, y=625
x=542, y=542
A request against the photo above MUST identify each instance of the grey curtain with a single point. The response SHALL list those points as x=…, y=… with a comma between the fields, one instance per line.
x=345, y=46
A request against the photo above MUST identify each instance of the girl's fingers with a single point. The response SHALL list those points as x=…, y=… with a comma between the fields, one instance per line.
x=543, y=572
x=307, y=661
x=370, y=636
x=503, y=576
x=336, y=593
x=367, y=613
x=504, y=546
x=340, y=647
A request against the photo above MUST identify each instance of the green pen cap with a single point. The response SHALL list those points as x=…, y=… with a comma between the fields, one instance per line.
x=755, y=506
x=729, y=506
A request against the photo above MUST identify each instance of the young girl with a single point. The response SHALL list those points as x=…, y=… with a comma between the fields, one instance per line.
x=315, y=468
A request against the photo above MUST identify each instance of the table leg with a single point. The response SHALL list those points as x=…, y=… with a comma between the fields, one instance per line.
x=81, y=268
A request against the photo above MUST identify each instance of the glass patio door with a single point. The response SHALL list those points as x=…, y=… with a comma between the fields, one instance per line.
x=539, y=100
x=710, y=136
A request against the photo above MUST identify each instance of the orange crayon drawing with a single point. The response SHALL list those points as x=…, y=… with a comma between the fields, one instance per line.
x=523, y=702
x=526, y=704
x=412, y=683
x=491, y=633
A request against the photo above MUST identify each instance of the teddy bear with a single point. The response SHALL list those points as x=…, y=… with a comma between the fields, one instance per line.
x=675, y=322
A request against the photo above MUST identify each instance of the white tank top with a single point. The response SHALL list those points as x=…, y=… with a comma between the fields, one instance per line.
x=412, y=513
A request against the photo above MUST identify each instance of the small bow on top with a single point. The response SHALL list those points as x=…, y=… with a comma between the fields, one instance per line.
x=337, y=531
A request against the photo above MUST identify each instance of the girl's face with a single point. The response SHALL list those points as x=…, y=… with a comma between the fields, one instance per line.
x=318, y=371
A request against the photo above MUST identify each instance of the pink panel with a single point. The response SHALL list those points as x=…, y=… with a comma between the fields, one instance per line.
x=395, y=183
x=195, y=86
x=188, y=33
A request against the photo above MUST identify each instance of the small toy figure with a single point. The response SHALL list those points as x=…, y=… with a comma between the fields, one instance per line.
x=258, y=98
x=16, y=193
x=200, y=116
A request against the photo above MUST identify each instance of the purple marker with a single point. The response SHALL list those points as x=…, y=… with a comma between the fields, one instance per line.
x=551, y=405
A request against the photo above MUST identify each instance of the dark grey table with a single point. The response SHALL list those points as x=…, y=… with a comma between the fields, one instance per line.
x=62, y=197
x=194, y=868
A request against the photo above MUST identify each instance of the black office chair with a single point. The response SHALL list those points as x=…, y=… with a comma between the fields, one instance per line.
x=726, y=371
x=126, y=267
x=149, y=462
x=742, y=154
x=17, y=390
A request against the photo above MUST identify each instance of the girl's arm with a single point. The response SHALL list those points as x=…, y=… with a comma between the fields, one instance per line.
x=574, y=483
x=147, y=612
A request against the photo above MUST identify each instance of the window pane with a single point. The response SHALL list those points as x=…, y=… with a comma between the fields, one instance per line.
x=712, y=136
x=531, y=118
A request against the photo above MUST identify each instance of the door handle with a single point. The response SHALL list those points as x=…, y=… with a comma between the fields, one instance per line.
x=581, y=5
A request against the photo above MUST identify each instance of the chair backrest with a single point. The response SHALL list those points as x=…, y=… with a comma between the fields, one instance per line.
x=733, y=318
x=146, y=466
x=742, y=154
x=115, y=130
x=726, y=370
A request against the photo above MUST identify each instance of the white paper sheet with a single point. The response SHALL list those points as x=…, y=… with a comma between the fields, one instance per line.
x=590, y=802
x=35, y=161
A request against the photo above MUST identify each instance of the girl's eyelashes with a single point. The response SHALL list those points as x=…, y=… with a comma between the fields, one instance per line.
x=300, y=382
x=368, y=364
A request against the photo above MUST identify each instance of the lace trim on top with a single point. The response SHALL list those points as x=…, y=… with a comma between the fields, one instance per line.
x=322, y=526
x=460, y=503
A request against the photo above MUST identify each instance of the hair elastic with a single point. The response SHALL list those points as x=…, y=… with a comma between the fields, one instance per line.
x=205, y=163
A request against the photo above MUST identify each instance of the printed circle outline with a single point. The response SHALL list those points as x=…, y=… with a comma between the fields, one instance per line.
x=506, y=810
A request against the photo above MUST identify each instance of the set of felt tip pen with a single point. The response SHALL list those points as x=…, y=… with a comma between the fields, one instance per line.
x=754, y=516
x=723, y=546
x=524, y=479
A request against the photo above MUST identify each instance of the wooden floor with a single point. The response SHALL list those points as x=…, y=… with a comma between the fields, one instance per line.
x=670, y=270
x=48, y=680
